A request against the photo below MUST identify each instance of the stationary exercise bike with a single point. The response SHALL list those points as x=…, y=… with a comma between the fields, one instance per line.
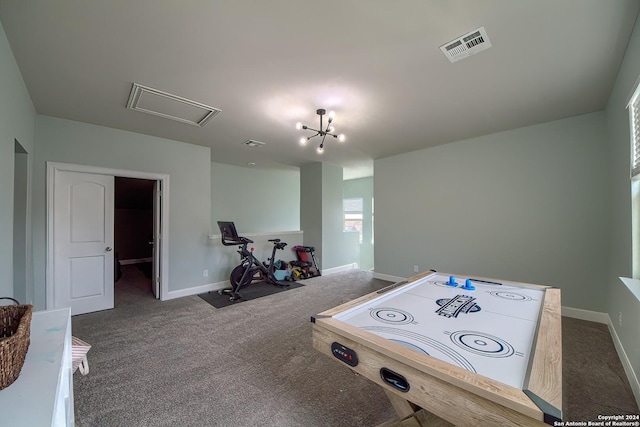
x=250, y=268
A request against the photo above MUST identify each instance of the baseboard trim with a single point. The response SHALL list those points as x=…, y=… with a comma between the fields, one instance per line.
x=135, y=261
x=626, y=364
x=340, y=269
x=591, y=316
x=197, y=290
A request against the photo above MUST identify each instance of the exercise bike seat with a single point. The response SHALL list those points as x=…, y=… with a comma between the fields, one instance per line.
x=274, y=240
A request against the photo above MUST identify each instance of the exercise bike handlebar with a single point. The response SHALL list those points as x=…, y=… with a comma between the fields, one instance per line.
x=245, y=241
x=277, y=244
x=240, y=241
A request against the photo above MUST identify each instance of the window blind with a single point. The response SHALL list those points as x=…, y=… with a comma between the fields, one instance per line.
x=634, y=119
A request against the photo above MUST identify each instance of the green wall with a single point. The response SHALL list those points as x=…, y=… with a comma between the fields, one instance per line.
x=334, y=250
x=17, y=122
x=311, y=207
x=256, y=200
x=527, y=205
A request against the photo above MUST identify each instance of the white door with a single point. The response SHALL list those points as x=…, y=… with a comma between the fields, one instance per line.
x=157, y=227
x=83, y=241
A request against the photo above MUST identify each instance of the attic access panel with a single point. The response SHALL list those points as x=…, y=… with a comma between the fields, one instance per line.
x=163, y=104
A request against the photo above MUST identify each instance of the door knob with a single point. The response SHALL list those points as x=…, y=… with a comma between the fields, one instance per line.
x=109, y=249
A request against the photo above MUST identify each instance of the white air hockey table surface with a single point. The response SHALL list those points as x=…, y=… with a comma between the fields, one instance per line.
x=470, y=350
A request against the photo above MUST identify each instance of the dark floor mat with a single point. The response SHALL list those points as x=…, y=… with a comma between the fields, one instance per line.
x=253, y=291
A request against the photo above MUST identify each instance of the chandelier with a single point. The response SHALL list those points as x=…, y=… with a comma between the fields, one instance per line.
x=321, y=132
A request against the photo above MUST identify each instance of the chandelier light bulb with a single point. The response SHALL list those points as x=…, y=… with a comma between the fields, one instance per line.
x=322, y=131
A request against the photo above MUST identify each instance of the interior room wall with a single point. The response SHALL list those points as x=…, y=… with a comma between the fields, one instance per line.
x=257, y=200
x=321, y=216
x=17, y=122
x=20, y=203
x=363, y=188
x=187, y=165
x=334, y=251
x=311, y=207
x=619, y=297
x=528, y=205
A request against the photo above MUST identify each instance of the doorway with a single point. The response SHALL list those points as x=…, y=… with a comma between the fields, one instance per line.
x=134, y=240
x=78, y=291
x=20, y=198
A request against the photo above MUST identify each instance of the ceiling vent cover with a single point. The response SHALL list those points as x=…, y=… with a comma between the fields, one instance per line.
x=253, y=143
x=466, y=45
x=163, y=104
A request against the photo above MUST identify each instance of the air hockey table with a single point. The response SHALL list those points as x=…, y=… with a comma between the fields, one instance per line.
x=469, y=350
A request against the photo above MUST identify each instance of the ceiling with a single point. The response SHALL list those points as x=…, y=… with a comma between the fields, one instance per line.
x=270, y=64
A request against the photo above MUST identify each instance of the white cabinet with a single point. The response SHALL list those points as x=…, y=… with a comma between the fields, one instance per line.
x=43, y=393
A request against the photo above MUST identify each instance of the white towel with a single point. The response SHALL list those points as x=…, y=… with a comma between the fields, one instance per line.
x=79, y=350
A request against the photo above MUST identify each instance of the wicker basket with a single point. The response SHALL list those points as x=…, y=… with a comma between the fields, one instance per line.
x=15, y=328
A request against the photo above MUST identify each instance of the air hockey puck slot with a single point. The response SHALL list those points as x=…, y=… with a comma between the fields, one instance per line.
x=394, y=379
x=345, y=354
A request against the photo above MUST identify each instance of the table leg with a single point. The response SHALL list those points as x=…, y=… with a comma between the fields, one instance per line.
x=403, y=407
x=411, y=415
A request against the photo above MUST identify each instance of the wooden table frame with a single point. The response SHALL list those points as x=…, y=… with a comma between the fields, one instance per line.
x=450, y=392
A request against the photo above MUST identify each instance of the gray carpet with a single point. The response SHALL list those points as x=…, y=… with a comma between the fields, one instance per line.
x=185, y=363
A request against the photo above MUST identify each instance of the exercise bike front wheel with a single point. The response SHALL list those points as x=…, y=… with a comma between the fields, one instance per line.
x=237, y=281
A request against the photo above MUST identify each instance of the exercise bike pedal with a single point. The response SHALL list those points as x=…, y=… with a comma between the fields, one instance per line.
x=233, y=296
x=281, y=284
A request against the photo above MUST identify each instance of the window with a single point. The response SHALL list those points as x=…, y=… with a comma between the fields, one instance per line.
x=372, y=223
x=634, y=130
x=634, y=121
x=352, y=209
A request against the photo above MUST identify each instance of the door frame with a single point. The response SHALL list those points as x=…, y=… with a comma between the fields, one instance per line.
x=52, y=167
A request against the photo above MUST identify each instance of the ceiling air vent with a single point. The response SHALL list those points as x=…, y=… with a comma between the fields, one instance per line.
x=163, y=104
x=253, y=143
x=466, y=45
